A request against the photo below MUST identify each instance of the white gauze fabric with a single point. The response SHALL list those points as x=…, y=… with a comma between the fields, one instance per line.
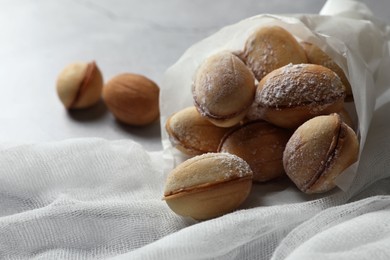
x=97, y=199
x=81, y=199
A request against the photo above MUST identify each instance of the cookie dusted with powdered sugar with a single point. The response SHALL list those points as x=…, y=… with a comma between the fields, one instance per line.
x=291, y=95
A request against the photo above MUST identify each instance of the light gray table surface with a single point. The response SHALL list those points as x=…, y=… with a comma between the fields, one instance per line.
x=39, y=38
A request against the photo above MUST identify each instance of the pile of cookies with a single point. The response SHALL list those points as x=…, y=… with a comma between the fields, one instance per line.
x=274, y=108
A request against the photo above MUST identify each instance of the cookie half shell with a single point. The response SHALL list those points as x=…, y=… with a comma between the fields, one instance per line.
x=270, y=48
x=193, y=134
x=318, y=152
x=261, y=145
x=289, y=96
x=223, y=89
x=208, y=185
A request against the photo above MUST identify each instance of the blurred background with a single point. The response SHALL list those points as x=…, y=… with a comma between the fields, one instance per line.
x=39, y=38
